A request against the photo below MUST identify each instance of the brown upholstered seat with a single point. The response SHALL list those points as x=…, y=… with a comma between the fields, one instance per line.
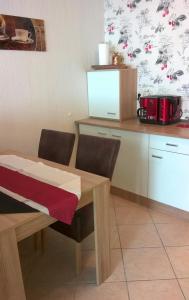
x=96, y=155
x=56, y=146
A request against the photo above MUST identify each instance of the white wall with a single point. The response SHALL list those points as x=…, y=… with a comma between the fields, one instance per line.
x=48, y=89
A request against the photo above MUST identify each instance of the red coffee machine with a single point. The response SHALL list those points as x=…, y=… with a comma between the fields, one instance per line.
x=160, y=109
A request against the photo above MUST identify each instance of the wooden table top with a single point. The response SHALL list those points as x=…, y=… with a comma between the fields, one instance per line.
x=136, y=126
x=88, y=183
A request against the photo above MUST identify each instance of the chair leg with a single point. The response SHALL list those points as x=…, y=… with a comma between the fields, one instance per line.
x=78, y=257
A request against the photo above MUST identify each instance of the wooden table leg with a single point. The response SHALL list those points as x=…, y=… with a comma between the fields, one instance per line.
x=102, y=236
x=11, y=283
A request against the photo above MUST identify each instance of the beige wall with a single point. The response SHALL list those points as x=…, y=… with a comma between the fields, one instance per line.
x=48, y=89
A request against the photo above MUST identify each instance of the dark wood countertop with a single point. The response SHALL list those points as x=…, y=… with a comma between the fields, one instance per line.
x=136, y=126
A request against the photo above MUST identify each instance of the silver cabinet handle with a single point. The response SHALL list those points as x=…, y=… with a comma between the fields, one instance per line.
x=156, y=156
x=102, y=133
x=111, y=113
x=171, y=145
x=116, y=136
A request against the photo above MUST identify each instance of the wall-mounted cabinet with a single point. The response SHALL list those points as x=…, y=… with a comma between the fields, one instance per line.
x=112, y=94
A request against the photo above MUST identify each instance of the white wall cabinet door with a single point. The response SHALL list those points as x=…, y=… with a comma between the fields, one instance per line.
x=104, y=94
x=131, y=170
x=168, y=178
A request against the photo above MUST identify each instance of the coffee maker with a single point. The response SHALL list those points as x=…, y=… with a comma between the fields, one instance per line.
x=158, y=109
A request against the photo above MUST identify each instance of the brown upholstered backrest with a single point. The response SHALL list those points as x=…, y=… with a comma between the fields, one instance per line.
x=56, y=146
x=97, y=155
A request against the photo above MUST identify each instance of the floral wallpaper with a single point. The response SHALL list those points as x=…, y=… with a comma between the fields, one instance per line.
x=153, y=36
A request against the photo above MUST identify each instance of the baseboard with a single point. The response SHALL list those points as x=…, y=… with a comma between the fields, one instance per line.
x=164, y=208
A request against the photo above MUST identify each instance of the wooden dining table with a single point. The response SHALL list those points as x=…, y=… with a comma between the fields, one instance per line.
x=18, y=226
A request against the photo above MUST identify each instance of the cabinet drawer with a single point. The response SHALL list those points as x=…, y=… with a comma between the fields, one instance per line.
x=170, y=144
x=117, y=134
x=94, y=130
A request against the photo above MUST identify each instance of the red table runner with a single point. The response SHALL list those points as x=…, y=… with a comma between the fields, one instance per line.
x=61, y=204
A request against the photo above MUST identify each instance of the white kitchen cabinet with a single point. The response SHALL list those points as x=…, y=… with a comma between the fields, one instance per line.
x=131, y=170
x=168, y=172
x=112, y=94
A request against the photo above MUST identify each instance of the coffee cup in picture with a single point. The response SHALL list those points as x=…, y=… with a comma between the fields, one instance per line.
x=23, y=34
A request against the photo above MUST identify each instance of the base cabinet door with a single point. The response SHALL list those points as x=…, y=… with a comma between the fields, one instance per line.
x=131, y=170
x=168, y=178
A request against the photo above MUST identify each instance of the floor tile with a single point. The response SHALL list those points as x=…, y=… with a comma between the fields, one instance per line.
x=163, y=218
x=179, y=257
x=132, y=215
x=147, y=264
x=155, y=290
x=184, y=283
x=105, y=291
x=117, y=268
x=136, y=236
x=50, y=292
x=174, y=234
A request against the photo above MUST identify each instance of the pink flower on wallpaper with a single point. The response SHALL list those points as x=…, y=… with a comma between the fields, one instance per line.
x=164, y=7
x=173, y=75
x=132, y=4
x=125, y=45
x=111, y=28
x=174, y=21
x=148, y=47
x=132, y=54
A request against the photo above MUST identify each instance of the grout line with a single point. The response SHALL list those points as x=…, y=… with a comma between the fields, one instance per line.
x=124, y=267
x=138, y=248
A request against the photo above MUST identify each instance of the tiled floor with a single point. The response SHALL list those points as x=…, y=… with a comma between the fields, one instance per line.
x=149, y=260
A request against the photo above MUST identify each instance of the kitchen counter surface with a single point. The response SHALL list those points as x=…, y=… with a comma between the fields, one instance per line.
x=136, y=126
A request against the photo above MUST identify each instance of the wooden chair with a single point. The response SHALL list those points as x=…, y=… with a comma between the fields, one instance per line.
x=56, y=146
x=96, y=155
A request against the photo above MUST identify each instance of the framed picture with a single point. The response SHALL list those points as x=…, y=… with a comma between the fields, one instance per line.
x=19, y=33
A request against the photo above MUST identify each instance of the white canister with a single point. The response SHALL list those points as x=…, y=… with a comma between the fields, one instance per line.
x=104, y=54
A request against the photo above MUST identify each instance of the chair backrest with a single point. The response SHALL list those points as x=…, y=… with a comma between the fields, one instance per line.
x=97, y=155
x=56, y=146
